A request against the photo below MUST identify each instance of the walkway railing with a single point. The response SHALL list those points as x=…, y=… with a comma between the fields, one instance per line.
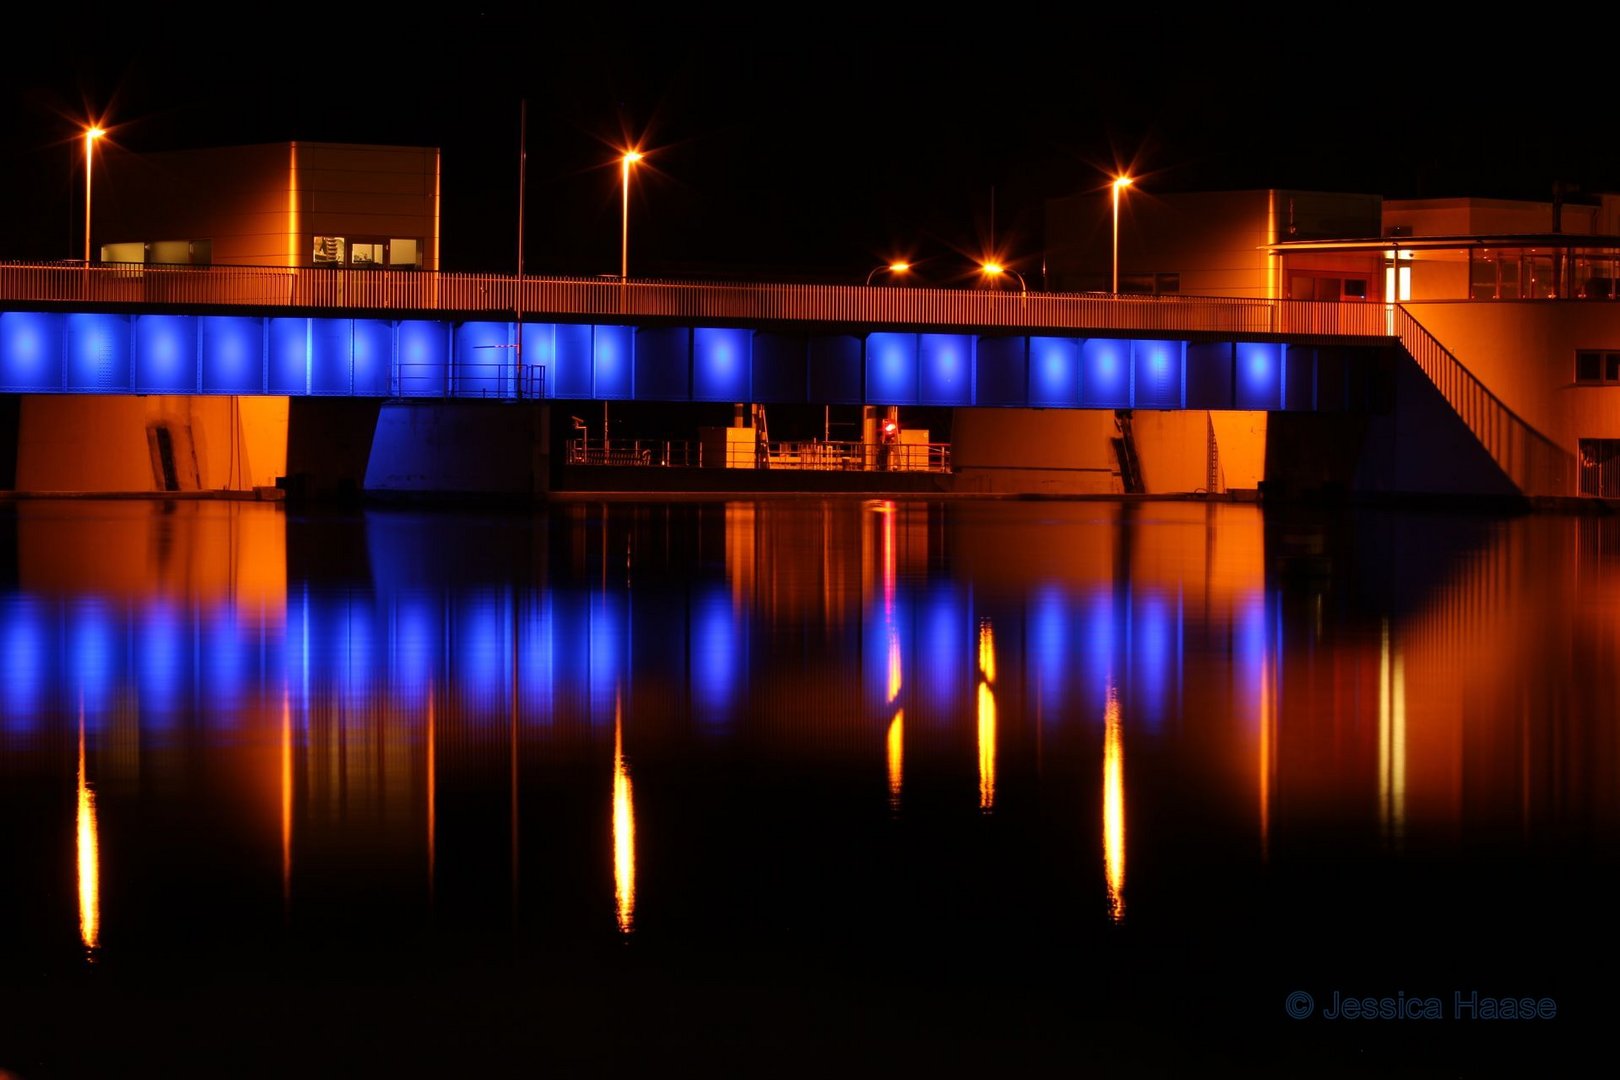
x=416, y=291
x=1535, y=464
x=806, y=455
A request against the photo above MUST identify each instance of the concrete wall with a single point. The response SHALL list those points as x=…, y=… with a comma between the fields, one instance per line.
x=262, y=205
x=1487, y=217
x=237, y=197
x=460, y=448
x=107, y=442
x=1071, y=451
x=1524, y=351
x=1035, y=451
x=1214, y=240
x=368, y=191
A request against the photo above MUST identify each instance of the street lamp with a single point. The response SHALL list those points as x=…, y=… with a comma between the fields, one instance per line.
x=91, y=134
x=895, y=268
x=995, y=270
x=1120, y=184
x=630, y=158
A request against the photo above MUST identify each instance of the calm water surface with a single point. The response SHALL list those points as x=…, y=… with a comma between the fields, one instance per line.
x=791, y=787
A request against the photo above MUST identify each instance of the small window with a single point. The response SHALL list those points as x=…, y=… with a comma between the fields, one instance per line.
x=329, y=251
x=1598, y=368
x=1355, y=288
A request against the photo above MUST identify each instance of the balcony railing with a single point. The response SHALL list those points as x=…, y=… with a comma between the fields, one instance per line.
x=415, y=291
x=812, y=455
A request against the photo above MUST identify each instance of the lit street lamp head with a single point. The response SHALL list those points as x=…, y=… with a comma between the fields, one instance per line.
x=996, y=270
x=895, y=268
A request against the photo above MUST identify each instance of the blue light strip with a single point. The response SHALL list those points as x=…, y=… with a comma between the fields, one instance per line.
x=121, y=353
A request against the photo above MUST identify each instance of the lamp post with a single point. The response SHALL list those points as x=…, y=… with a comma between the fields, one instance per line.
x=995, y=270
x=630, y=158
x=896, y=268
x=91, y=134
x=1120, y=184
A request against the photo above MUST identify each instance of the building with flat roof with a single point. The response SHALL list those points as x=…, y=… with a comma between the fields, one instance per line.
x=273, y=204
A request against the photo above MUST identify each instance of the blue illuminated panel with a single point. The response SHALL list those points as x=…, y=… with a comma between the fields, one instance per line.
x=663, y=364
x=1209, y=375
x=1158, y=374
x=891, y=369
x=289, y=356
x=573, y=371
x=331, y=353
x=1259, y=375
x=98, y=356
x=945, y=369
x=424, y=354
x=1105, y=373
x=1299, y=377
x=780, y=367
x=373, y=358
x=483, y=359
x=722, y=363
x=166, y=353
x=232, y=354
x=614, y=350
x=835, y=369
x=1054, y=372
x=1000, y=373
x=30, y=350
x=539, y=358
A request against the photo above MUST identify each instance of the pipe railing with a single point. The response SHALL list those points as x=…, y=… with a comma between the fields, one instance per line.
x=419, y=291
x=1534, y=463
x=804, y=455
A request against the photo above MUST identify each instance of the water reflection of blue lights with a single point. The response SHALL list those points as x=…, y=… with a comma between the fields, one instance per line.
x=550, y=652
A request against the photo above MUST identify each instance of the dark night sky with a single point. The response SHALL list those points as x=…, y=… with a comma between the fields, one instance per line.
x=805, y=144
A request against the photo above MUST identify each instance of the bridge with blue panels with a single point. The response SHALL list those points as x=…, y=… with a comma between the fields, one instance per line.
x=303, y=332
x=83, y=352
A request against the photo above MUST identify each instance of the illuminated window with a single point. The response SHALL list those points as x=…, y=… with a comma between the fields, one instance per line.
x=400, y=252
x=368, y=253
x=329, y=251
x=1397, y=275
x=404, y=254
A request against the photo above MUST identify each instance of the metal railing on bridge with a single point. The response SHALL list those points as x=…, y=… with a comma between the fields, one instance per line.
x=808, y=455
x=1534, y=463
x=400, y=292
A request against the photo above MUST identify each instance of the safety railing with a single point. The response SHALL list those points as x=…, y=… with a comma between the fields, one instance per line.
x=803, y=455
x=400, y=291
x=1535, y=464
x=470, y=379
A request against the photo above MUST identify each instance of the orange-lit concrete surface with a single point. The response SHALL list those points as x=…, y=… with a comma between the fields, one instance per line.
x=109, y=443
x=262, y=205
x=1200, y=243
x=1071, y=451
x=1524, y=351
